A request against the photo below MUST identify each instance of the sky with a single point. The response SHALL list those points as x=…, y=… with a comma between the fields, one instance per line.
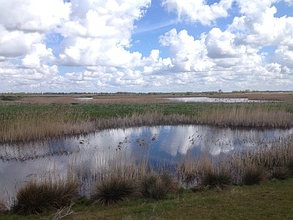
x=146, y=45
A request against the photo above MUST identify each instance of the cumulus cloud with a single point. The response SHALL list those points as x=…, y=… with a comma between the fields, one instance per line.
x=198, y=11
x=16, y=43
x=95, y=51
x=289, y=2
x=99, y=32
x=33, y=15
x=187, y=54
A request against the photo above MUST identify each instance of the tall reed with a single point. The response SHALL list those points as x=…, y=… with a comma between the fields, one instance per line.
x=41, y=122
x=247, y=116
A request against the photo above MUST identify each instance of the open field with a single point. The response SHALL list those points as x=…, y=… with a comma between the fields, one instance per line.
x=119, y=98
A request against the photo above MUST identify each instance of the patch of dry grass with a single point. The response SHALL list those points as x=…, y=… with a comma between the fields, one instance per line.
x=37, y=197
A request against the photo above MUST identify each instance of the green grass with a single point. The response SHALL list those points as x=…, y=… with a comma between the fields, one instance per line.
x=270, y=200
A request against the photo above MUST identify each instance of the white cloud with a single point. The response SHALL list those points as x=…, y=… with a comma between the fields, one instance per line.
x=253, y=8
x=95, y=38
x=222, y=44
x=289, y=2
x=16, y=43
x=198, y=11
x=186, y=53
x=38, y=56
x=284, y=56
x=99, y=33
x=33, y=15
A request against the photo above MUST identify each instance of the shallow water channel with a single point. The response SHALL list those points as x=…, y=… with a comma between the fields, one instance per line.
x=93, y=152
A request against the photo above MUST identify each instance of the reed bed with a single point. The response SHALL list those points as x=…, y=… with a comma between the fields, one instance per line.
x=41, y=123
x=247, y=117
x=37, y=122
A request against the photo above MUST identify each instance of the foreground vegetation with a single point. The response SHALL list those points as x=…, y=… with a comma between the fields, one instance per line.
x=270, y=200
x=122, y=185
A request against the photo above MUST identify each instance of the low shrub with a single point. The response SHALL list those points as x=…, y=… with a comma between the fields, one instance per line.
x=3, y=207
x=157, y=186
x=45, y=196
x=113, y=189
x=213, y=179
x=252, y=176
x=280, y=173
x=290, y=167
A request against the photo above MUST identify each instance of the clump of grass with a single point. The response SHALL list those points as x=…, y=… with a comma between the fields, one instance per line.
x=3, y=207
x=252, y=175
x=44, y=196
x=214, y=179
x=113, y=189
x=157, y=186
x=290, y=166
x=280, y=173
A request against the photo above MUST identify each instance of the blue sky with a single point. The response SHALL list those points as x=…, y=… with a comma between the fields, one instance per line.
x=146, y=45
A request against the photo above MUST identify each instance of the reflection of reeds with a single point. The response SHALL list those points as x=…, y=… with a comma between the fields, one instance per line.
x=245, y=167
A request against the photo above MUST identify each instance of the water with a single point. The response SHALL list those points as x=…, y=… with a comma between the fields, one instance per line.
x=91, y=153
x=206, y=99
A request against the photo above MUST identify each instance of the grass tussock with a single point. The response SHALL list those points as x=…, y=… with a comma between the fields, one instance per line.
x=280, y=173
x=3, y=207
x=157, y=186
x=37, y=197
x=113, y=189
x=253, y=175
x=213, y=179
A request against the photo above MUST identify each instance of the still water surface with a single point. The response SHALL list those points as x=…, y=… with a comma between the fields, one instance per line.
x=93, y=152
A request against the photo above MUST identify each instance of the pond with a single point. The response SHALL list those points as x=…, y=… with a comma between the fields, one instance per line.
x=207, y=99
x=93, y=152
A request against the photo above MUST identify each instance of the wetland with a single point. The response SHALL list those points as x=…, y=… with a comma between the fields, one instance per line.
x=87, y=138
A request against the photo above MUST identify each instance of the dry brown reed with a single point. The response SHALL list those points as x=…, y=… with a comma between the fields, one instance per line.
x=245, y=117
x=25, y=127
x=58, y=122
x=262, y=163
x=39, y=196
